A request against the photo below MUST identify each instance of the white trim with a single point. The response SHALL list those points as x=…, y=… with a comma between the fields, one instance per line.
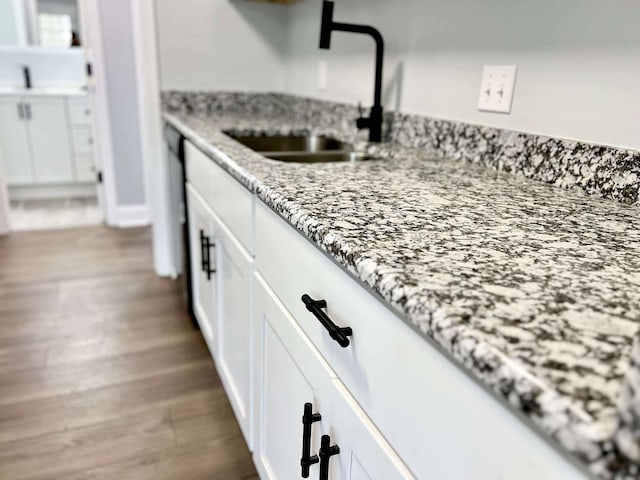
x=21, y=22
x=154, y=157
x=65, y=190
x=99, y=97
x=128, y=216
x=31, y=22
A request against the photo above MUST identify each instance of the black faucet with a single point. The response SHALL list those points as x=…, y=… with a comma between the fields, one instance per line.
x=374, y=121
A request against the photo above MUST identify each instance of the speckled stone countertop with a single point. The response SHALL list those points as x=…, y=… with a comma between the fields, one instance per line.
x=533, y=289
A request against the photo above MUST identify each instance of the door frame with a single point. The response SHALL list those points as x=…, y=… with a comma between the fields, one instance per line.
x=99, y=98
x=154, y=153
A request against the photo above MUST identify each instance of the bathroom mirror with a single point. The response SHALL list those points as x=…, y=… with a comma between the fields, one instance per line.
x=41, y=23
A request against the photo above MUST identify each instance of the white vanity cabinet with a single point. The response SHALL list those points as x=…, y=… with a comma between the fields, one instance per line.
x=46, y=140
x=395, y=405
x=221, y=273
x=202, y=241
x=14, y=142
x=49, y=132
x=342, y=442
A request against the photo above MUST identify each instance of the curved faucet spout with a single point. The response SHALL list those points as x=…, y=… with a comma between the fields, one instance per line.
x=374, y=122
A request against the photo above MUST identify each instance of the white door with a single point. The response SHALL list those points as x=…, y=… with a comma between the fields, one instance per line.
x=14, y=142
x=50, y=143
x=102, y=161
x=203, y=265
x=234, y=358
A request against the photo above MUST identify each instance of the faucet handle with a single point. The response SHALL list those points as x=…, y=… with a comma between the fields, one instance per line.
x=360, y=110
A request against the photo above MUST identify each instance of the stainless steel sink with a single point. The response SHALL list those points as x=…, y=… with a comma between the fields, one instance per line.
x=290, y=143
x=322, y=157
x=300, y=148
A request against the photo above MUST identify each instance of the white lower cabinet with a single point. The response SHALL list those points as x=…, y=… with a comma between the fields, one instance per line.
x=343, y=443
x=202, y=240
x=15, y=150
x=40, y=145
x=221, y=272
x=387, y=403
x=50, y=144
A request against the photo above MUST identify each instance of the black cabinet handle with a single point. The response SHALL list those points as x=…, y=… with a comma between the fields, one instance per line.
x=205, y=254
x=326, y=452
x=208, y=246
x=339, y=334
x=308, y=419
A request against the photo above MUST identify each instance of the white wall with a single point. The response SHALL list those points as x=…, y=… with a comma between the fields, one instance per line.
x=221, y=44
x=579, y=61
x=50, y=67
x=119, y=57
x=12, y=26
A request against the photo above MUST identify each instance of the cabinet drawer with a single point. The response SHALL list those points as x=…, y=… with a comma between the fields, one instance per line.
x=82, y=139
x=229, y=200
x=198, y=171
x=430, y=411
x=79, y=110
x=85, y=170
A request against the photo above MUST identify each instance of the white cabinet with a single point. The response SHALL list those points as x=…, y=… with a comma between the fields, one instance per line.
x=415, y=395
x=234, y=269
x=395, y=406
x=79, y=111
x=46, y=140
x=14, y=142
x=203, y=260
x=50, y=145
x=291, y=373
x=221, y=272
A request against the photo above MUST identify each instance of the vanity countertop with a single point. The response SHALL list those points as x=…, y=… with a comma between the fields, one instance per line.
x=44, y=91
x=533, y=289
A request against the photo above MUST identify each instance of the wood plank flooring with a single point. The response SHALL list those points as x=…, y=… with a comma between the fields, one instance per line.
x=102, y=375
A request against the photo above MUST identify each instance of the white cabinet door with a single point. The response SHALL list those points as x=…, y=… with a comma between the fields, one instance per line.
x=282, y=391
x=234, y=271
x=362, y=452
x=203, y=261
x=291, y=374
x=50, y=144
x=14, y=142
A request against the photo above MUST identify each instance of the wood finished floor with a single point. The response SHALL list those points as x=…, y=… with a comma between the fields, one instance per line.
x=102, y=375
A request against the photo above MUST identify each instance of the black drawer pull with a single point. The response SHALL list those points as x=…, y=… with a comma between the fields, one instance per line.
x=308, y=419
x=339, y=334
x=326, y=452
x=205, y=253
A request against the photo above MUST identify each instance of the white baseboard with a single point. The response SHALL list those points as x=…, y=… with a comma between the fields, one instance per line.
x=128, y=216
x=64, y=190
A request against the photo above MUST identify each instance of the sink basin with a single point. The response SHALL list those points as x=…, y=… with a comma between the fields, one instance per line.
x=290, y=143
x=321, y=157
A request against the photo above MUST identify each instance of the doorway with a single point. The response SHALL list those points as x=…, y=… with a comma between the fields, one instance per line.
x=53, y=142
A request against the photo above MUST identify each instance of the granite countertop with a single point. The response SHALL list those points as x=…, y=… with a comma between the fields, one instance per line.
x=533, y=289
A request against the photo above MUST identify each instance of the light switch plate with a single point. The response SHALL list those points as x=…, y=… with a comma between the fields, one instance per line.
x=323, y=74
x=496, y=89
